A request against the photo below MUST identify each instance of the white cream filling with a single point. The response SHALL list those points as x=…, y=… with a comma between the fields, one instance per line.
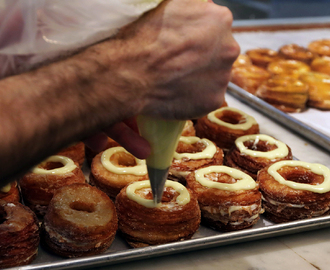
x=207, y=153
x=273, y=202
x=247, y=120
x=182, y=199
x=139, y=169
x=314, y=167
x=280, y=152
x=68, y=166
x=244, y=181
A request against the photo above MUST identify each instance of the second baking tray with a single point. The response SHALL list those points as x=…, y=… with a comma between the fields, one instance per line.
x=285, y=119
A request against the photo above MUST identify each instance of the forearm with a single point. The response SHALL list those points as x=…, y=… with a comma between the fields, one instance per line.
x=43, y=110
x=173, y=63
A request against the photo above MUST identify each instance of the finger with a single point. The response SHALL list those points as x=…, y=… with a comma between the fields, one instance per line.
x=131, y=122
x=97, y=142
x=129, y=139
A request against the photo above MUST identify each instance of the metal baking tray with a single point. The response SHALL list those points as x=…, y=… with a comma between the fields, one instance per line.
x=204, y=238
x=283, y=118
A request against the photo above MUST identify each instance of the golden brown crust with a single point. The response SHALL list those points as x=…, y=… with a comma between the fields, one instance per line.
x=181, y=168
x=38, y=189
x=320, y=47
x=226, y=210
x=142, y=226
x=249, y=77
x=250, y=164
x=321, y=64
x=110, y=182
x=13, y=195
x=224, y=137
x=81, y=220
x=292, y=68
x=285, y=93
x=19, y=234
x=296, y=52
x=262, y=56
x=283, y=203
x=319, y=89
x=76, y=152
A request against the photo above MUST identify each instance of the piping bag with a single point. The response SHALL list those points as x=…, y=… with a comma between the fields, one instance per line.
x=163, y=137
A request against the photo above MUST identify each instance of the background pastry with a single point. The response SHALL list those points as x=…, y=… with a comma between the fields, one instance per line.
x=284, y=93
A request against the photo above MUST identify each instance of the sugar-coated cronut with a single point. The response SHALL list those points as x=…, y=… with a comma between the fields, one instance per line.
x=19, y=235
x=81, y=220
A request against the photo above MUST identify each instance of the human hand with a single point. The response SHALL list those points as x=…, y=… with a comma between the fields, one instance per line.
x=126, y=134
x=180, y=56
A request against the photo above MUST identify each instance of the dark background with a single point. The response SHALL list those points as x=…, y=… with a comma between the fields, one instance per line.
x=263, y=9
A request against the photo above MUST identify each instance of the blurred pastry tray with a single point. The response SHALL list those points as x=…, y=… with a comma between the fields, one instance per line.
x=273, y=34
x=285, y=119
x=119, y=251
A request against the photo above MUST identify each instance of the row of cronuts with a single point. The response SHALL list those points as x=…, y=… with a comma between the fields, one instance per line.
x=224, y=177
x=291, y=79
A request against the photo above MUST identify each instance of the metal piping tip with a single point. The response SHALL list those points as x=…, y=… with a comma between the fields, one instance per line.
x=157, y=179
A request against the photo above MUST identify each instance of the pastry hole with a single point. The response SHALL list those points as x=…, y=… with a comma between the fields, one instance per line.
x=230, y=117
x=304, y=177
x=222, y=178
x=190, y=148
x=261, y=146
x=51, y=165
x=123, y=159
x=82, y=206
x=144, y=193
x=168, y=194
